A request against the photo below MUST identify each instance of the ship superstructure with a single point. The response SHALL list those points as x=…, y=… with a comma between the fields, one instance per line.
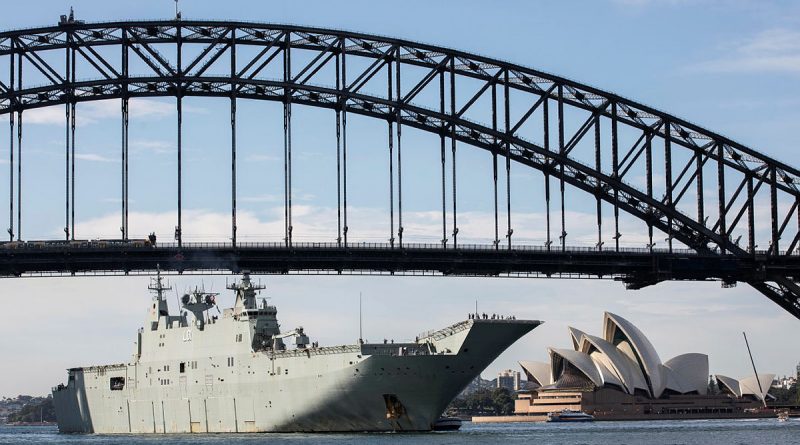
x=235, y=371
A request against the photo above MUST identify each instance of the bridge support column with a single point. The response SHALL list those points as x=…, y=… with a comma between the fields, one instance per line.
x=11, y=123
x=233, y=139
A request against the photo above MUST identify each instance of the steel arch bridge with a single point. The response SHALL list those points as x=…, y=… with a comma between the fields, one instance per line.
x=711, y=200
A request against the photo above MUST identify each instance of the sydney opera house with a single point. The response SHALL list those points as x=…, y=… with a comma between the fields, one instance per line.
x=620, y=375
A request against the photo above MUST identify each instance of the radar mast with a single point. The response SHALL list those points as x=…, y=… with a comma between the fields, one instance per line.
x=245, y=293
x=159, y=308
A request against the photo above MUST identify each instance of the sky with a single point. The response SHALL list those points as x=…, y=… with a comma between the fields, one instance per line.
x=731, y=66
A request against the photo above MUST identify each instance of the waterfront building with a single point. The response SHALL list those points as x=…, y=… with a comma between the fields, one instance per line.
x=509, y=379
x=620, y=375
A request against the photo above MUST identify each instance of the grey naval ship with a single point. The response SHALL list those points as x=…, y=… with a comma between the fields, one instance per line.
x=207, y=371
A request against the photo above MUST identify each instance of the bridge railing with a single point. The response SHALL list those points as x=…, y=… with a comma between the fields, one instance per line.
x=276, y=245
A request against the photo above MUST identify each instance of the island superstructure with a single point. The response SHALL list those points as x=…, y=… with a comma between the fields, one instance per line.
x=236, y=371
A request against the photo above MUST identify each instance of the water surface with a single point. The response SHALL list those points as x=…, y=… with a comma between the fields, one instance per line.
x=686, y=432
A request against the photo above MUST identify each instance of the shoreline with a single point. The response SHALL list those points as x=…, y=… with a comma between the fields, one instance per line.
x=543, y=418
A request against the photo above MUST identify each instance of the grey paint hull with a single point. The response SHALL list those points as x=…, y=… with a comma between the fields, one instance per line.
x=371, y=387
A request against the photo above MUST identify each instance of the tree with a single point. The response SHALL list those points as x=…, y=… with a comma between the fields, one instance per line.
x=712, y=386
x=34, y=412
x=485, y=401
x=797, y=385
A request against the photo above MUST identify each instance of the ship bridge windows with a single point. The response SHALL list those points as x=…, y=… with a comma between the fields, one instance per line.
x=117, y=383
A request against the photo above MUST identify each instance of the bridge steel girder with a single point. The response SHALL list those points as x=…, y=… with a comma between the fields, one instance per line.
x=469, y=260
x=189, y=79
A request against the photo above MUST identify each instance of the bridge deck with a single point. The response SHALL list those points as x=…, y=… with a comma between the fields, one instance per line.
x=637, y=266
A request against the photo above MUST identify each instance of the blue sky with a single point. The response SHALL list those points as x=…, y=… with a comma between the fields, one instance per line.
x=732, y=67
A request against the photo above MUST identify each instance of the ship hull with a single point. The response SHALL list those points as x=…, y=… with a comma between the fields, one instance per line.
x=337, y=389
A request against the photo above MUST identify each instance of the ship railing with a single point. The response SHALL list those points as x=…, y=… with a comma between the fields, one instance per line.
x=396, y=349
x=446, y=332
x=324, y=350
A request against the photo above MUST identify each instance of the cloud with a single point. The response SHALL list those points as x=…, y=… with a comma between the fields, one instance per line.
x=366, y=224
x=775, y=50
x=93, y=112
x=261, y=198
x=647, y=3
x=263, y=158
x=151, y=146
x=94, y=157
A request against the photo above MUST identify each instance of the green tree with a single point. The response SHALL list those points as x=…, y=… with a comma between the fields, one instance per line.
x=496, y=401
x=34, y=412
x=712, y=386
x=797, y=386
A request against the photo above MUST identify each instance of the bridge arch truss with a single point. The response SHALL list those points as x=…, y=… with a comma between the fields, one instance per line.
x=692, y=188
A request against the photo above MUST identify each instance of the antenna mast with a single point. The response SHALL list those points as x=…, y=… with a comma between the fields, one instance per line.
x=360, y=322
x=157, y=284
x=752, y=362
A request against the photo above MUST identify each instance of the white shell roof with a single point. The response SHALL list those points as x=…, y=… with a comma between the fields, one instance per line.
x=644, y=352
x=603, y=366
x=674, y=381
x=576, y=335
x=691, y=370
x=579, y=360
x=538, y=371
x=627, y=371
x=730, y=383
x=749, y=385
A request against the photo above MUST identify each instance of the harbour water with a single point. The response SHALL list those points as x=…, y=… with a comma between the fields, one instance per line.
x=705, y=432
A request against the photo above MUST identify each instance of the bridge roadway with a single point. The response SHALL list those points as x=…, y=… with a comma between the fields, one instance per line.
x=637, y=267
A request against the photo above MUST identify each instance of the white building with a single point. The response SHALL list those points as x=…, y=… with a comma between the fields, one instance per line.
x=624, y=359
x=509, y=380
